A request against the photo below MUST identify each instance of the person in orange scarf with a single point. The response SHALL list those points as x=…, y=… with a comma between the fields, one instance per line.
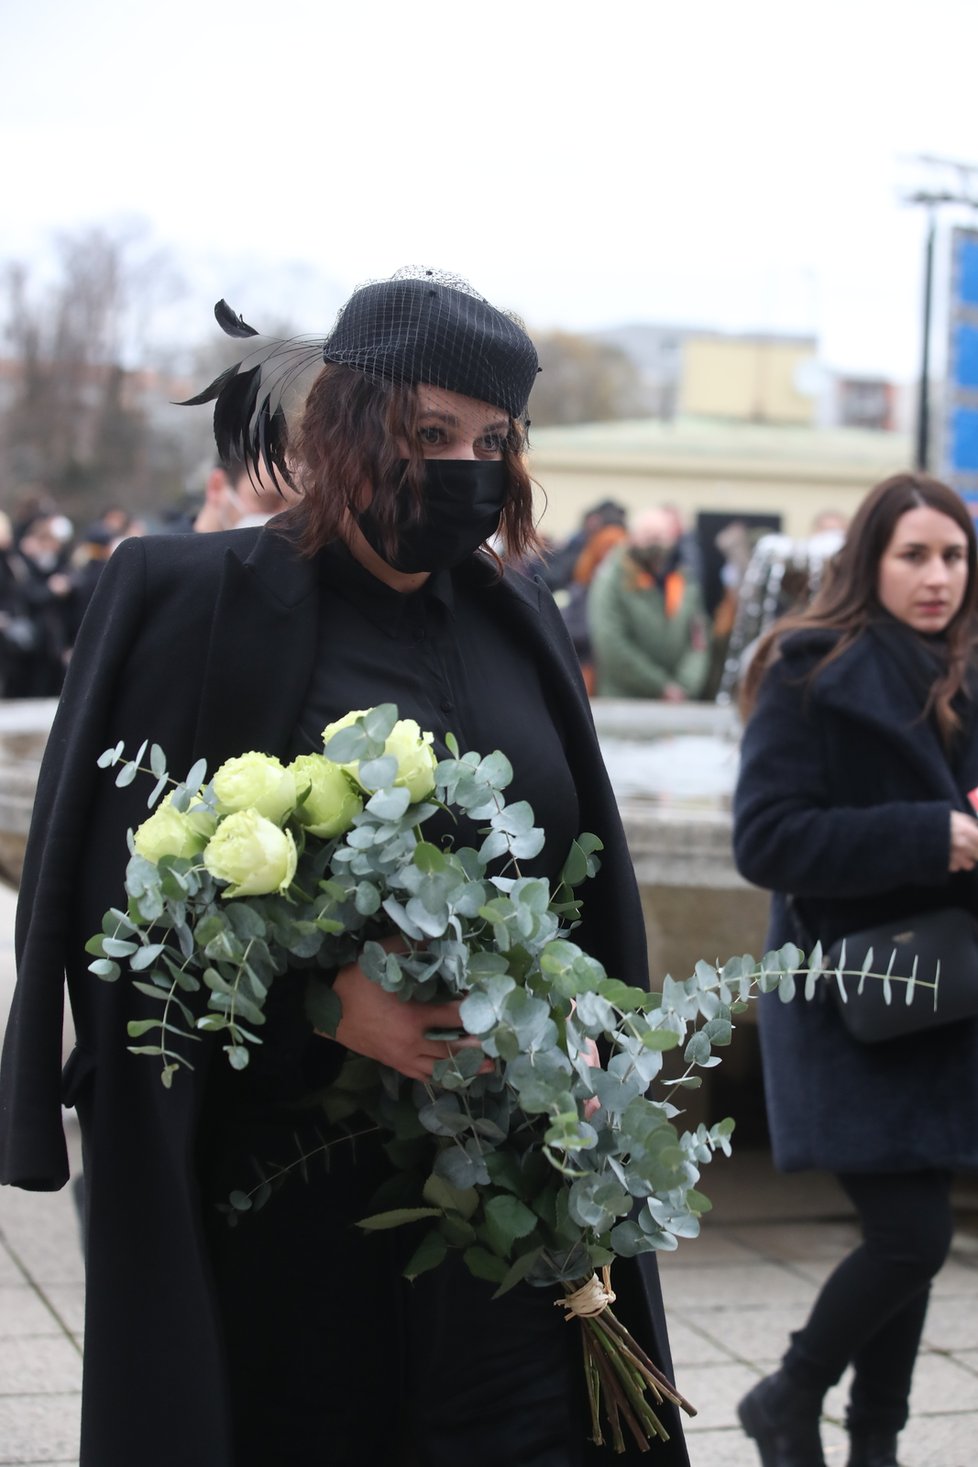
x=649, y=628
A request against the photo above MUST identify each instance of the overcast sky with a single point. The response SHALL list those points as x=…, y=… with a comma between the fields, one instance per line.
x=708, y=162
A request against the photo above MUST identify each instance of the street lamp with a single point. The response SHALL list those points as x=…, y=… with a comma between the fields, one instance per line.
x=966, y=193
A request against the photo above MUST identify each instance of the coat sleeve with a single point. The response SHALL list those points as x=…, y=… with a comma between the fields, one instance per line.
x=32, y=1143
x=791, y=836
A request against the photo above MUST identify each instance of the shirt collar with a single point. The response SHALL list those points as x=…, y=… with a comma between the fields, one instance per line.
x=387, y=609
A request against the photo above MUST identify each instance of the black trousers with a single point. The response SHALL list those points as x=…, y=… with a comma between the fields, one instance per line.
x=335, y=1360
x=870, y=1312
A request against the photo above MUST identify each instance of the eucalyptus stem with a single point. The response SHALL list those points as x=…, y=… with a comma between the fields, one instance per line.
x=283, y=1171
x=232, y=1023
x=614, y=1398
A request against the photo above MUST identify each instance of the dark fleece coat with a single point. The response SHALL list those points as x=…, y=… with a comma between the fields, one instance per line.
x=844, y=801
x=204, y=644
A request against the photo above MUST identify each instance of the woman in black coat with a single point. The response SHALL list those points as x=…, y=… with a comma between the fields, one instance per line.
x=852, y=806
x=292, y=1340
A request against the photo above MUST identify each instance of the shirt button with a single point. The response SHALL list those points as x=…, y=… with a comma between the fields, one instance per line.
x=447, y=705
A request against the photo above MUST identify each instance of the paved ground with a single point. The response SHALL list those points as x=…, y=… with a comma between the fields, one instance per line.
x=732, y=1297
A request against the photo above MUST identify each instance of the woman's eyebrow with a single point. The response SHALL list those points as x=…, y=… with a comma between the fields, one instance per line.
x=450, y=420
x=923, y=544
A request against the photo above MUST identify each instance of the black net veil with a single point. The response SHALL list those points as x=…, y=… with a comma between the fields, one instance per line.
x=432, y=327
x=419, y=326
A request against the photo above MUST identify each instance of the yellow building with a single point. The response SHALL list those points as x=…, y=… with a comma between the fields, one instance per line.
x=753, y=379
x=727, y=468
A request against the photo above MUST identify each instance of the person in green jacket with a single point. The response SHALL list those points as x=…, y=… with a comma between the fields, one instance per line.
x=649, y=628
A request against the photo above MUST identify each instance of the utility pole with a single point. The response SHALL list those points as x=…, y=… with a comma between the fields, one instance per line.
x=963, y=190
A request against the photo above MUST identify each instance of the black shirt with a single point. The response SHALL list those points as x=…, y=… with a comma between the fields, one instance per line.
x=447, y=661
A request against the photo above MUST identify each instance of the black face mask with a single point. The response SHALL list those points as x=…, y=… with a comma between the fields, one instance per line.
x=657, y=559
x=462, y=502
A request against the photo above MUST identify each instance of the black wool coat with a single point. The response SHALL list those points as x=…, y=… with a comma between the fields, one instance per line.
x=844, y=802
x=204, y=644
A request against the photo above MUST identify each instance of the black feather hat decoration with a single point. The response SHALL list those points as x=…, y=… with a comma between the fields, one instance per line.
x=421, y=325
x=250, y=398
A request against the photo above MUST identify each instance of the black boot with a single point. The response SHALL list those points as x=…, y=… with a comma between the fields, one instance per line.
x=873, y=1449
x=781, y=1418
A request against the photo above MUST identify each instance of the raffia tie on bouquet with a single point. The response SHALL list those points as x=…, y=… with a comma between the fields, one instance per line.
x=593, y=1297
x=620, y=1376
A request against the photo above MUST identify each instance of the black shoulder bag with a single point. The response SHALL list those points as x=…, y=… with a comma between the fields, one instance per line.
x=930, y=963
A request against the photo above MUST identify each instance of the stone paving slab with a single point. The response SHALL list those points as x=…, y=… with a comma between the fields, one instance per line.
x=37, y=1365
x=690, y=1346
x=754, y=1335
x=939, y=1441
x=805, y=1244
x=39, y=1428
x=715, y=1390
x=10, y=1274
x=23, y=1311
x=751, y=1285
x=952, y=1324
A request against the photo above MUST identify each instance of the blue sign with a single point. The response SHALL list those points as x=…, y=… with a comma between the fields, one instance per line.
x=968, y=269
x=964, y=349
x=964, y=441
x=961, y=398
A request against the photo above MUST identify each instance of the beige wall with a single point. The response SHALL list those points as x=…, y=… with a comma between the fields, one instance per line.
x=798, y=492
x=746, y=378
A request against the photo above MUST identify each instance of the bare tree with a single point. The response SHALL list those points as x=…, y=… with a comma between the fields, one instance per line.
x=72, y=420
x=583, y=381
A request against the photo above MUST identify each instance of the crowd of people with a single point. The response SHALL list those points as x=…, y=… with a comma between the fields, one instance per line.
x=631, y=594
x=48, y=574
x=49, y=569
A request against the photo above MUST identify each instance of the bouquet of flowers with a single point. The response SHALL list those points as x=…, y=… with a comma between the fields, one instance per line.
x=539, y=1165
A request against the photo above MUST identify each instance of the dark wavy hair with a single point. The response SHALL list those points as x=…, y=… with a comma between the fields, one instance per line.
x=351, y=432
x=848, y=599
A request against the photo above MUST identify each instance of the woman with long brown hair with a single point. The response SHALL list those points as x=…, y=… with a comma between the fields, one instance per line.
x=852, y=807
x=292, y=1340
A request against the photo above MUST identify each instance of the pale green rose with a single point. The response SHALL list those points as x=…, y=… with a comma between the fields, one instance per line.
x=344, y=722
x=255, y=782
x=252, y=853
x=332, y=802
x=170, y=832
x=416, y=759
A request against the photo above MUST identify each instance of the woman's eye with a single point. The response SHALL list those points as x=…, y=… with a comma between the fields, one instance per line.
x=431, y=436
x=491, y=443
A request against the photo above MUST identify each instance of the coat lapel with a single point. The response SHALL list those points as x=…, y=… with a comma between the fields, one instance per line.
x=861, y=685
x=261, y=653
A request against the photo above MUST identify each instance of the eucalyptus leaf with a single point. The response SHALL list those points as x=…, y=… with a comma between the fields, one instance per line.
x=108, y=757
x=104, y=968
x=196, y=775
x=430, y=1252
x=382, y=1221
x=485, y=1265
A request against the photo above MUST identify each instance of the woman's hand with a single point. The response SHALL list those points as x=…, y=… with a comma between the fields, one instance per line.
x=594, y=1060
x=964, y=842
x=385, y=1028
